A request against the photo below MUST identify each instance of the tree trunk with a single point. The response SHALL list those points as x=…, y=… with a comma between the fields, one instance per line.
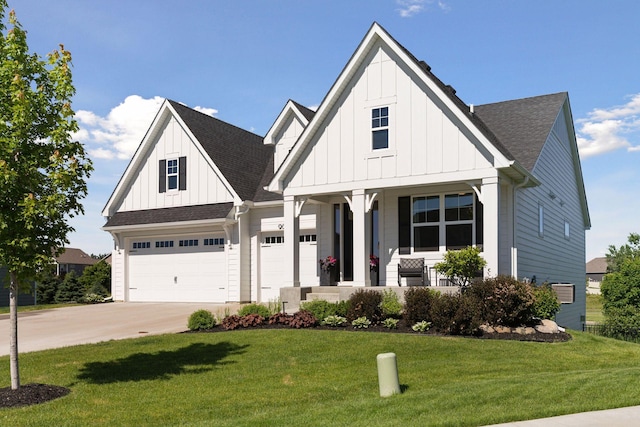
x=13, y=334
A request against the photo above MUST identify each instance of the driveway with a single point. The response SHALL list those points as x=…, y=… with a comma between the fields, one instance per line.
x=62, y=327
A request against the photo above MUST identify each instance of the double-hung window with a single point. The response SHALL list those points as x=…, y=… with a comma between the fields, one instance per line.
x=172, y=174
x=380, y=128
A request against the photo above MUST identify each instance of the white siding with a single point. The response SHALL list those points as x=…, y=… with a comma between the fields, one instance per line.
x=286, y=137
x=203, y=185
x=551, y=257
x=424, y=139
x=118, y=282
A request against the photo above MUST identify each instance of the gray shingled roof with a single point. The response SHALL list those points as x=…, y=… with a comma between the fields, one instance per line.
x=240, y=155
x=306, y=112
x=523, y=125
x=75, y=256
x=165, y=215
x=597, y=265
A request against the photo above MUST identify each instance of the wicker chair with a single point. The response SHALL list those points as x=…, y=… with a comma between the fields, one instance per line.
x=411, y=267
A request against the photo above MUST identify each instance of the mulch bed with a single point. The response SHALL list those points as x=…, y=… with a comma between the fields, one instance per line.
x=30, y=394
x=405, y=329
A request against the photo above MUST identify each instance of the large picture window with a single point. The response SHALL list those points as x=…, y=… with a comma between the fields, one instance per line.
x=440, y=222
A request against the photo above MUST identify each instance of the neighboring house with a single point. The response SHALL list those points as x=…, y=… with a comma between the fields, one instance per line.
x=73, y=260
x=23, y=299
x=596, y=269
x=392, y=163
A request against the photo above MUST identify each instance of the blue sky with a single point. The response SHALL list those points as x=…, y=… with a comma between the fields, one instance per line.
x=242, y=60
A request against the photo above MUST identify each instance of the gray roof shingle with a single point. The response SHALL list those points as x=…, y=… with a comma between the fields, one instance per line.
x=166, y=215
x=240, y=155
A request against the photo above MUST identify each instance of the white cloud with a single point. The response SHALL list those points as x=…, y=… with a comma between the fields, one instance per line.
x=610, y=129
x=409, y=8
x=117, y=135
x=208, y=111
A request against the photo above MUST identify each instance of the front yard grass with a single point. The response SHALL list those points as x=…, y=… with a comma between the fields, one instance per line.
x=328, y=378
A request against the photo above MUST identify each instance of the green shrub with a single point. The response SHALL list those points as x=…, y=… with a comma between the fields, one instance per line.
x=334, y=320
x=70, y=290
x=503, y=300
x=421, y=326
x=320, y=308
x=361, y=322
x=365, y=304
x=546, y=303
x=390, y=305
x=92, y=298
x=342, y=308
x=260, y=309
x=200, y=320
x=390, y=323
x=443, y=311
x=47, y=287
x=97, y=279
x=417, y=304
x=462, y=266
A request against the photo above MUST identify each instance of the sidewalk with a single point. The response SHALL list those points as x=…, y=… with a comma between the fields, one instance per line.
x=622, y=417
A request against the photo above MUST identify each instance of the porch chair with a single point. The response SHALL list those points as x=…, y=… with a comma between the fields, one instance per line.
x=411, y=267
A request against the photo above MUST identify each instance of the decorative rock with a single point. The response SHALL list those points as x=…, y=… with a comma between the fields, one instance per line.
x=487, y=329
x=522, y=330
x=503, y=329
x=547, y=326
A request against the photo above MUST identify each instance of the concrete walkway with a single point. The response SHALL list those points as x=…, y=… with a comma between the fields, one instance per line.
x=61, y=327
x=622, y=417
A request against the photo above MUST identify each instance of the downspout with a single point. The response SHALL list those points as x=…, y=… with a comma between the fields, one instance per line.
x=514, y=249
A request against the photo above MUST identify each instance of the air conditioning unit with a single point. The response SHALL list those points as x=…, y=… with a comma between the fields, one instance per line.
x=566, y=292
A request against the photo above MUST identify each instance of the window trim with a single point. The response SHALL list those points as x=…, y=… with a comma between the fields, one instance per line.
x=173, y=172
x=540, y=219
x=442, y=221
x=380, y=127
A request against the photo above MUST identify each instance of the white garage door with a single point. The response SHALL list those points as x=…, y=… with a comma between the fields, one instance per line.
x=271, y=266
x=192, y=269
x=272, y=263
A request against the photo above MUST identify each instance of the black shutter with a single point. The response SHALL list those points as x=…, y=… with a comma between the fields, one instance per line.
x=182, y=173
x=162, y=176
x=404, y=225
x=479, y=223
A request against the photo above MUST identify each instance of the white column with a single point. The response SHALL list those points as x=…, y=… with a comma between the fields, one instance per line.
x=491, y=200
x=361, y=240
x=291, y=243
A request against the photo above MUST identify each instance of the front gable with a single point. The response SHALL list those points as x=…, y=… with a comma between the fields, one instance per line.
x=285, y=131
x=423, y=124
x=169, y=169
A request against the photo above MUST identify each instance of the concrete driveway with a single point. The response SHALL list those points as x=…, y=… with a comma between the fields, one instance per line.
x=62, y=327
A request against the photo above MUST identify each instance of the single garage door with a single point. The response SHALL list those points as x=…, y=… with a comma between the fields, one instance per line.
x=271, y=266
x=272, y=263
x=190, y=269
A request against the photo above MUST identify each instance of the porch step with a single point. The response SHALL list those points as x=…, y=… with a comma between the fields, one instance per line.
x=327, y=296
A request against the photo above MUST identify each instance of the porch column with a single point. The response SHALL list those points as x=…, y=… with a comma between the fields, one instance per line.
x=491, y=202
x=291, y=243
x=361, y=240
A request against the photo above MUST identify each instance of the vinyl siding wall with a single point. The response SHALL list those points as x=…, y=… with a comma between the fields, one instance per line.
x=552, y=257
x=203, y=185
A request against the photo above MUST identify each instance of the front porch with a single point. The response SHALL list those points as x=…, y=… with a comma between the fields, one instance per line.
x=293, y=297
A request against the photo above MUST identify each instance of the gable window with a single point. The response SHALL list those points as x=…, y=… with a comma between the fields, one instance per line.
x=380, y=128
x=172, y=174
x=439, y=222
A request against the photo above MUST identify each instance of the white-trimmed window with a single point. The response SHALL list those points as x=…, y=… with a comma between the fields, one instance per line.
x=188, y=242
x=380, y=128
x=441, y=222
x=567, y=230
x=164, y=244
x=172, y=174
x=273, y=240
x=308, y=238
x=141, y=245
x=540, y=220
x=219, y=241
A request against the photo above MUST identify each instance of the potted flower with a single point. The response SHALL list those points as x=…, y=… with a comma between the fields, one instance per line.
x=374, y=264
x=328, y=271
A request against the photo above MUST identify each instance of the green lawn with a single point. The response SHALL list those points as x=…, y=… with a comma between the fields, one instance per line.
x=594, y=309
x=324, y=378
x=24, y=308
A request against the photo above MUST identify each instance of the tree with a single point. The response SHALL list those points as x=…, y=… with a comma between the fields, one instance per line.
x=461, y=266
x=42, y=169
x=70, y=290
x=621, y=286
x=96, y=279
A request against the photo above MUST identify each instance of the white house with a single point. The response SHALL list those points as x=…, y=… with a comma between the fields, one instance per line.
x=392, y=163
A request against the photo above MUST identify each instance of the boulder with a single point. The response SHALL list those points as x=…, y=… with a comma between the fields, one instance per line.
x=487, y=329
x=547, y=326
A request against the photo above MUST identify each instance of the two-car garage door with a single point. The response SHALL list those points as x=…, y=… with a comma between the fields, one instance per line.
x=190, y=269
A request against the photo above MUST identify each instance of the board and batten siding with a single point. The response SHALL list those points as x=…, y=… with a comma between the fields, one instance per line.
x=552, y=257
x=118, y=281
x=203, y=185
x=425, y=139
x=286, y=137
